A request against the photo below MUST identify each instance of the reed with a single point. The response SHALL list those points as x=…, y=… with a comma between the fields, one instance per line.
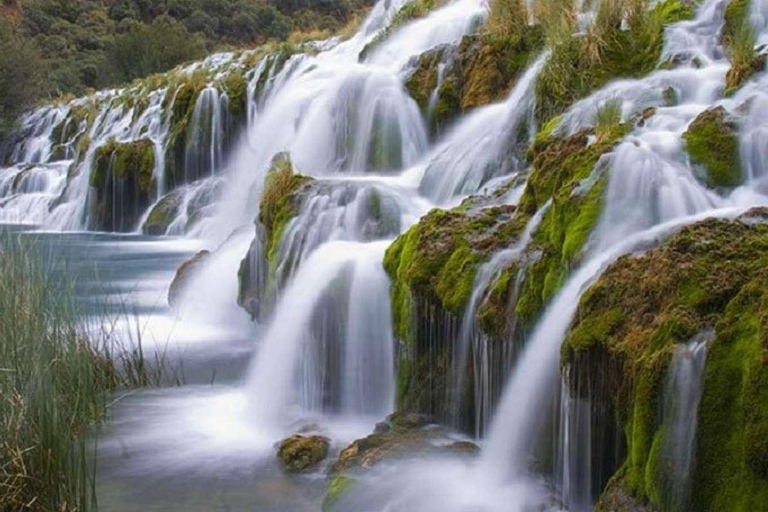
x=56, y=370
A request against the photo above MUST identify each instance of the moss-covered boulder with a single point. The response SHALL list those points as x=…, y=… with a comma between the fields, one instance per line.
x=710, y=277
x=183, y=275
x=480, y=70
x=565, y=171
x=284, y=189
x=712, y=143
x=302, y=453
x=162, y=214
x=123, y=181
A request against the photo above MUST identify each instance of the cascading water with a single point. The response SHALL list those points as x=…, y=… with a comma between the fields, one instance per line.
x=682, y=394
x=342, y=113
x=474, y=345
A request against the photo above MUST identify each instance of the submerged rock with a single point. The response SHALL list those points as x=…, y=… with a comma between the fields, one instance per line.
x=408, y=436
x=183, y=275
x=301, y=453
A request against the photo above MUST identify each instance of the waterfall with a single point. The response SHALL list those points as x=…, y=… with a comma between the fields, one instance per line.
x=682, y=393
x=483, y=145
x=513, y=432
x=292, y=343
x=473, y=344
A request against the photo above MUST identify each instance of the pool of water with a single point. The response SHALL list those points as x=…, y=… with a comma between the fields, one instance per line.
x=190, y=443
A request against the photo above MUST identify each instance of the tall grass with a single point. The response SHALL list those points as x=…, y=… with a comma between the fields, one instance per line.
x=55, y=372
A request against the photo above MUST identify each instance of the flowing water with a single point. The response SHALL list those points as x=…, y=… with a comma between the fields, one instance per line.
x=320, y=355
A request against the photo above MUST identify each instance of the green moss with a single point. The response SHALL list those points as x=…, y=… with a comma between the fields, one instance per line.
x=712, y=142
x=448, y=104
x=162, y=214
x=236, y=88
x=279, y=203
x=124, y=160
x=492, y=315
x=438, y=257
x=454, y=281
x=563, y=171
x=709, y=275
x=481, y=70
x=338, y=487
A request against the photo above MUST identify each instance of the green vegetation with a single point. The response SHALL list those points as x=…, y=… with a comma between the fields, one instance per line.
x=19, y=74
x=68, y=47
x=481, y=70
x=712, y=142
x=55, y=372
x=279, y=202
x=437, y=258
x=563, y=170
x=579, y=65
x=709, y=276
x=123, y=180
x=745, y=61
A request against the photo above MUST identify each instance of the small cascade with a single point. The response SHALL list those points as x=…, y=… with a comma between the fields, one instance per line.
x=476, y=349
x=35, y=135
x=589, y=442
x=27, y=190
x=531, y=387
x=209, y=129
x=301, y=359
x=682, y=393
x=478, y=149
x=445, y=25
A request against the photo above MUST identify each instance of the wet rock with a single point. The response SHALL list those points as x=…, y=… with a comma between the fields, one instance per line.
x=301, y=453
x=122, y=178
x=183, y=275
x=712, y=143
x=162, y=214
x=401, y=436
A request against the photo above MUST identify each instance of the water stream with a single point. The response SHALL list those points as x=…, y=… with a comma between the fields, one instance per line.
x=317, y=350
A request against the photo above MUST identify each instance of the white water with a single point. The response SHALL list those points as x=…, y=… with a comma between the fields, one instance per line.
x=682, y=394
x=327, y=347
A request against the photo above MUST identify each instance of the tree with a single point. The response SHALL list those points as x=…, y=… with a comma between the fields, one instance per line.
x=19, y=74
x=147, y=49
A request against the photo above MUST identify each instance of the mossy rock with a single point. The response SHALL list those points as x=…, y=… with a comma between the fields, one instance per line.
x=565, y=172
x=711, y=275
x=438, y=257
x=738, y=74
x=302, y=453
x=162, y=214
x=122, y=177
x=405, y=437
x=284, y=190
x=712, y=142
x=482, y=69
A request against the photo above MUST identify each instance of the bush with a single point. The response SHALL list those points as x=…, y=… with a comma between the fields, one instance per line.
x=148, y=49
